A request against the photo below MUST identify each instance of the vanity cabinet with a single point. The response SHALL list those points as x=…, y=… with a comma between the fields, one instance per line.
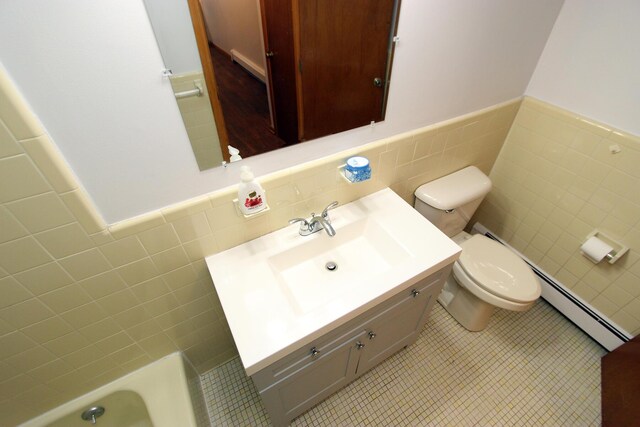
x=295, y=383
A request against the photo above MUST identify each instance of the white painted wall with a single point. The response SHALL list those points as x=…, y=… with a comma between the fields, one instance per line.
x=90, y=71
x=591, y=63
x=236, y=24
x=171, y=22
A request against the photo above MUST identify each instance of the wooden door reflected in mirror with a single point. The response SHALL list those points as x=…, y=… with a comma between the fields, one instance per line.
x=328, y=66
x=342, y=47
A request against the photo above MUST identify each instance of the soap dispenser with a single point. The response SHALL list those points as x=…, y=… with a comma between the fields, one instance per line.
x=251, y=196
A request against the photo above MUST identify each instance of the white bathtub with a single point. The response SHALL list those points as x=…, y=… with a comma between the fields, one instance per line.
x=165, y=393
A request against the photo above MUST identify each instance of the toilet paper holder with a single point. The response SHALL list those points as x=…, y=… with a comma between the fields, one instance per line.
x=618, y=249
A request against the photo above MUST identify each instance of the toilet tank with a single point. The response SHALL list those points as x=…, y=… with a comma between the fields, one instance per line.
x=449, y=202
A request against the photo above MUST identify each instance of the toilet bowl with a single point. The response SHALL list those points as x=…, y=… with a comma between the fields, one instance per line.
x=488, y=274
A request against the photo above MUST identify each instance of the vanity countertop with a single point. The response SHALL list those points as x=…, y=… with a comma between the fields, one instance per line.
x=277, y=296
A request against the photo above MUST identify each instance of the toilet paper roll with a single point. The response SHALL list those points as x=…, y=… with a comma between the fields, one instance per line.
x=595, y=249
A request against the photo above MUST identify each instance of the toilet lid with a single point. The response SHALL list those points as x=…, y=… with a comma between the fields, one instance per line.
x=496, y=269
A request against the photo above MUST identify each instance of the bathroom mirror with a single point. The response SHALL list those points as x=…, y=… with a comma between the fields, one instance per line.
x=251, y=76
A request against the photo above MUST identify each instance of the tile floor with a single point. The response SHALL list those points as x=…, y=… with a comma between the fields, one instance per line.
x=534, y=368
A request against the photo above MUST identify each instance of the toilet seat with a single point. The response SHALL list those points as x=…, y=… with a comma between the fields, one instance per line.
x=496, y=275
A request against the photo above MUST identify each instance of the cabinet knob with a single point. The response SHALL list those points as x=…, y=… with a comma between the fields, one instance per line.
x=372, y=335
x=415, y=293
x=359, y=345
x=314, y=352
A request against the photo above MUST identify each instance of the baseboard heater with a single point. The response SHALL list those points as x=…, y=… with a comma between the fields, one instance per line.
x=587, y=318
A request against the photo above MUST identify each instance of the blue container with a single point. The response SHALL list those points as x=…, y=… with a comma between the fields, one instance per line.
x=357, y=169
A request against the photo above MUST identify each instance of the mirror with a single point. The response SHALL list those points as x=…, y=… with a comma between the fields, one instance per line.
x=251, y=76
x=174, y=33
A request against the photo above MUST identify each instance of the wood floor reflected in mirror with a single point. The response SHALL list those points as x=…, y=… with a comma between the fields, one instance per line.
x=243, y=98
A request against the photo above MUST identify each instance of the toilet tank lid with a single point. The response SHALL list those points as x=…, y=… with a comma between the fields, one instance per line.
x=455, y=190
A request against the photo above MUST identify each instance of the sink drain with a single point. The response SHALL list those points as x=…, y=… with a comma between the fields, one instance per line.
x=331, y=266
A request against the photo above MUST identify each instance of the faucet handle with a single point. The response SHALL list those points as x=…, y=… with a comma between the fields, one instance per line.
x=303, y=226
x=326, y=210
x=302, y=220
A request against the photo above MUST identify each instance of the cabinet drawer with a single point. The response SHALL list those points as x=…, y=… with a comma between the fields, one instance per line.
x=304, y=358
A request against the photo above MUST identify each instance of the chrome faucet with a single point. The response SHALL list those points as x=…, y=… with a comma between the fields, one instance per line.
x=316, y=222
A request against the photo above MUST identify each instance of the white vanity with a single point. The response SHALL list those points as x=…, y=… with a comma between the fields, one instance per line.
x=305, y=329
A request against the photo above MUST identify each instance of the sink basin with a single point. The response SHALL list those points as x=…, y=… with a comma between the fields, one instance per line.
x=362, y=250
x=277, y=293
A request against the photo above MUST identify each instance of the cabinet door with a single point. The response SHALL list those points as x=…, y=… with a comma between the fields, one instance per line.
x=298, y=392
x=399, y=325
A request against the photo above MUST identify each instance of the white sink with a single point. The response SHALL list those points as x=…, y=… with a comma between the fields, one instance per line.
x=361, y=250
x=277, y=293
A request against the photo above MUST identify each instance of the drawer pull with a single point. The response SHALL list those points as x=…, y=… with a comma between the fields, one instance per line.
x=315, y=352
x=372, y=335
x=415, y=293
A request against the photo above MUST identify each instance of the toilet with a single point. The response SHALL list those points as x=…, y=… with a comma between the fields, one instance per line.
x=488, y=274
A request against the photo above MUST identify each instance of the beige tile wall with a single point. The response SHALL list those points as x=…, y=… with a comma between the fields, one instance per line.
x=198, y=120
x=82, y=302
x=554, y=182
